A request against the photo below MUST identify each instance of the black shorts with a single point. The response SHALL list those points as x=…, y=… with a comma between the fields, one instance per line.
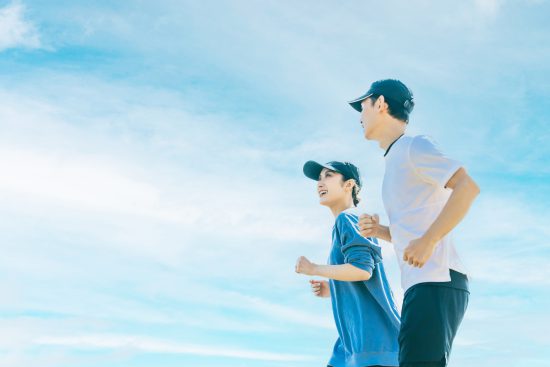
x=431, y=315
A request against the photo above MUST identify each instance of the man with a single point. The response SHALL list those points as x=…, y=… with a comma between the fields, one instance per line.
x=425, y=194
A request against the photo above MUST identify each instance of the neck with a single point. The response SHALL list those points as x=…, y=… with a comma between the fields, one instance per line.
x=393, y=131
x=340, y=207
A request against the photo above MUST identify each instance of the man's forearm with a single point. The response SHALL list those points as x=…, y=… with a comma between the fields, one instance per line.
x=344, y=272
x=384, y=233
x=454, y=211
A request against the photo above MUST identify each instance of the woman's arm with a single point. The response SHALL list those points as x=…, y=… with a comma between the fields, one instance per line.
x=344, y=272
x=320, y=288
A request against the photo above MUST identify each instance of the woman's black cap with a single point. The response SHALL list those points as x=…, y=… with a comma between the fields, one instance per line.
x=313, y=169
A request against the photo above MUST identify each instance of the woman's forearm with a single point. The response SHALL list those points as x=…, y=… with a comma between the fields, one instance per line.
x=344, y=272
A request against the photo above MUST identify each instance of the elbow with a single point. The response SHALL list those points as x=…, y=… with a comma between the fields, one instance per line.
x=474, y=188
x=469, y=187
x=358, y=273
x=461, y=181
x=366, y=275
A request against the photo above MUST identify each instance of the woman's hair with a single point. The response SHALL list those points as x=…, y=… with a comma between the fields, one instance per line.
x=355, y=195
x=354, y=191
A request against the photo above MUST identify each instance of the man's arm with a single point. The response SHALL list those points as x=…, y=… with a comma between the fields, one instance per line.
x=464, y=192
x=344, y=272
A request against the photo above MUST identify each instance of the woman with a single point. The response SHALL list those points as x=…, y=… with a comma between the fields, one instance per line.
x=364, y=310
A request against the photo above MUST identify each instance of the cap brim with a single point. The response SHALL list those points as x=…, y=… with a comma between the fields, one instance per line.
x=313, y=169
x=356, y=103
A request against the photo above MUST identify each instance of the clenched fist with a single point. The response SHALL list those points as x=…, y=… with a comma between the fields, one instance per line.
x=418, y=252
x=369, y=225
x=320, y=288
x=304, y=266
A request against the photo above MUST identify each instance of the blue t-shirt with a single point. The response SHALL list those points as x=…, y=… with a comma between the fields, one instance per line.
x=364, y=311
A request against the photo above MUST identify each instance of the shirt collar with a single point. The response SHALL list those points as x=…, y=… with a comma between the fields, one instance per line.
x=388, y=150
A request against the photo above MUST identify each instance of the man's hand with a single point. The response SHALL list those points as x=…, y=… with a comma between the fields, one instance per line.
x=369, y=225
x=320, y=288
x=304, y=266
x=419, y=252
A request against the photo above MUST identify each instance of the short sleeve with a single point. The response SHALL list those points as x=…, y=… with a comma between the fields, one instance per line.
x=430, y=163
x=363, y=253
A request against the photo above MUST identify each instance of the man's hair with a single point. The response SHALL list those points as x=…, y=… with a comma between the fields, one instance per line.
x=395, y=109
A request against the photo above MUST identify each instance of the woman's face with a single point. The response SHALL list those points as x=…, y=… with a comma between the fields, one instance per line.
x=330, y=187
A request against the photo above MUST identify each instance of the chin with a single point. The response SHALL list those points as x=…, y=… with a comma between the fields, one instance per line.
x=324, y=202
x=369, y=135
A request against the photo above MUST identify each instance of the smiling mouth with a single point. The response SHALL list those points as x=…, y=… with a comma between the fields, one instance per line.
x=322, y=193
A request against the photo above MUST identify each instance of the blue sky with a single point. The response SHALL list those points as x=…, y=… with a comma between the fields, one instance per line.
x=152, y=200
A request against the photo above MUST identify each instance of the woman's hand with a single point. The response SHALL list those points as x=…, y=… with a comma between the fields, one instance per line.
x=304, y=266
x=320, y=288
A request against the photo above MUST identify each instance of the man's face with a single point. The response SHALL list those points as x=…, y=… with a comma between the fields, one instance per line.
x=371, y=116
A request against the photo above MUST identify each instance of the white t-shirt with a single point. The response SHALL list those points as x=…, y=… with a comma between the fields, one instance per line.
x=414, y=194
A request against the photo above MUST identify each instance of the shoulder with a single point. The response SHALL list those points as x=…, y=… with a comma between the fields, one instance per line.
x=347, y=218
x=348, y=222
x=420, y=142
x=423, y=140
x=348, y=215
x=424, y=145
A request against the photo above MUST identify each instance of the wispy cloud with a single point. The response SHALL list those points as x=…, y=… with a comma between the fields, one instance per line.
x=488, y=8
x=507, y=234
x=144, y=344
x=152, y=195
x=15, y=29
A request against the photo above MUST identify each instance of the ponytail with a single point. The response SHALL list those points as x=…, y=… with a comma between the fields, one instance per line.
x=355, y=195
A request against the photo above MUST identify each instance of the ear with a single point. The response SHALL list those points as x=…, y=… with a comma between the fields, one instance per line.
x=381, y=104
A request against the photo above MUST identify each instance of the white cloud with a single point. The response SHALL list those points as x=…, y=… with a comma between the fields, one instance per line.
x=488, y=8
x=85, y=182
x=504, y=239
x=96, y=172
x=145, y=344
x=97, y=198
x=15, y=30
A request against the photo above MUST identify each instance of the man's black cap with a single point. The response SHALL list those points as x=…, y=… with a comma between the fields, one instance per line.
x=391, y=89
x=313, y=169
